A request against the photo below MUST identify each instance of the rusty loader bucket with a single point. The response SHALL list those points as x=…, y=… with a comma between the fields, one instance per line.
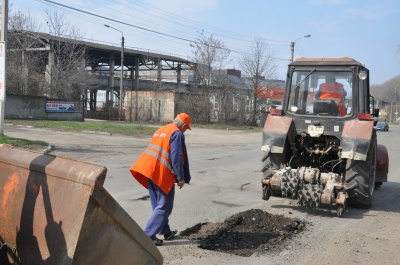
x=55, y=210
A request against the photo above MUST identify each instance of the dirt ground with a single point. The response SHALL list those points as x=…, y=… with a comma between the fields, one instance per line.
x=246, y=233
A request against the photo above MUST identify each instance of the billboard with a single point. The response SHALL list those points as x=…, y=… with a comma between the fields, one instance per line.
x=271, y=93
x=60, y=106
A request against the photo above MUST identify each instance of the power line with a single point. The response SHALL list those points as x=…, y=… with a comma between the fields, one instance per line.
x=125, y=33
x=72, y=13
x=127, y=24
x=142, y=28
x=117, y=21
x=173, y=16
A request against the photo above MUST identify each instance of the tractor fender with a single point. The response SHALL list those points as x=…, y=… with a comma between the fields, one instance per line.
x=275, y=132
x=356, y=139
x=382, y=163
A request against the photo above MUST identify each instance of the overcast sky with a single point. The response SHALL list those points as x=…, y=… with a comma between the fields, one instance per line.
x=366, y=30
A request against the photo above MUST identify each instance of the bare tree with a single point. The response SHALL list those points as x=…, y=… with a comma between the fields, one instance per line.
x=51, y=66
x=65, y=71
x=25, y=65
x=388, y=95
x=224, y=93
x=209, y=53
x=192, y=103
x=388, y=91
x=19, y=20
x=258, y=66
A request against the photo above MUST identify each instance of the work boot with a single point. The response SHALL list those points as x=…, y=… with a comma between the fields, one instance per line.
x=157, y=242
x=171, y=235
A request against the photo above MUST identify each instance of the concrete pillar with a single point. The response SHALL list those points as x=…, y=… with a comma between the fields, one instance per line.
x=159, y=73
x=93, y=99
x=195, y=76
x=178, y=75
x=131, y=87
x=110, y=92
x=136, y=89
x=24, y=73
x=49, y=70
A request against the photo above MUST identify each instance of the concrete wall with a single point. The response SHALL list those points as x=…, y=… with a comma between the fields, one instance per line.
x=152, y=105
x=32, y=107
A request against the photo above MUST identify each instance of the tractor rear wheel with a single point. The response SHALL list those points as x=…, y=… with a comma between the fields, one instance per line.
x=360, y=178
x=271, y=163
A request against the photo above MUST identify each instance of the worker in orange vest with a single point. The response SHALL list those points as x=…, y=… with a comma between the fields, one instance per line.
x=164, y=163
x=333, y=90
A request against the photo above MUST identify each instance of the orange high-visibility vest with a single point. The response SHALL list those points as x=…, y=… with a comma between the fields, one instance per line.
x=334, y=91
x=155, y=162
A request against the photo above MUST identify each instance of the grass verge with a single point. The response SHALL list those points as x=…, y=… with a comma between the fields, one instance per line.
x=23, y=143
x=74, y=126
x=95, y=126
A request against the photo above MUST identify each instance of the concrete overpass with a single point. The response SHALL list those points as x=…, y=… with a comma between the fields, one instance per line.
x=142, y=70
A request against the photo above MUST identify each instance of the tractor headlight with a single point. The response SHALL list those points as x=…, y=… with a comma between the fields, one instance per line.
x=362, y=75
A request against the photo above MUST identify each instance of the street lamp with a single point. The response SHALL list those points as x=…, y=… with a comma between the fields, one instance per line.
x=293, y=42
x=122, y=71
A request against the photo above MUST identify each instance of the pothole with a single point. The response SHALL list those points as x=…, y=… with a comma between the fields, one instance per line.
x=246, y=233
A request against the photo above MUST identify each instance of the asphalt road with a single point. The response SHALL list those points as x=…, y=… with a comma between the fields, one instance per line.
x=225, y=167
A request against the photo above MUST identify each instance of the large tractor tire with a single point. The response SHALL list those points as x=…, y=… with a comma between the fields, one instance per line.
x=271, y=163
x=360, y=178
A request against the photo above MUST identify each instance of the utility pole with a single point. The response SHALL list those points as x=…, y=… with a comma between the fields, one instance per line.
x=3, y=52
x=292, y=45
